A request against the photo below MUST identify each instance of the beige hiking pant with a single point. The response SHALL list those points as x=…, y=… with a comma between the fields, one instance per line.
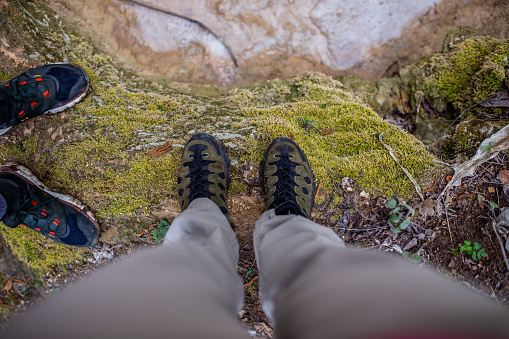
x=312, y=286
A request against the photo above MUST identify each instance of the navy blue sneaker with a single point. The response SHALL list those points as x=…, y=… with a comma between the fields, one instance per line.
x=45, y=89
x=27, y=202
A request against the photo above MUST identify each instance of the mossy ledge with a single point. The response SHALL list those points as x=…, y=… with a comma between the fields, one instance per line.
x=98, y=150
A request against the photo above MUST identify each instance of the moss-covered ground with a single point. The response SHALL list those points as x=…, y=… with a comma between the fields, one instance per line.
x=98, y=151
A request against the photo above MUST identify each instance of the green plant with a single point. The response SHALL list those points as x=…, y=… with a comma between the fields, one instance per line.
x=475, y=250
x=400, y=215
x=160, y=231
x=414, y=257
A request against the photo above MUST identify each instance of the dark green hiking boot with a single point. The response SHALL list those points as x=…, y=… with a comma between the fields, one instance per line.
x=204, y=172
x=287, y=179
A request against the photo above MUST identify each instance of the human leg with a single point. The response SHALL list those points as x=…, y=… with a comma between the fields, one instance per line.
x=312, y=286
x=187, y=288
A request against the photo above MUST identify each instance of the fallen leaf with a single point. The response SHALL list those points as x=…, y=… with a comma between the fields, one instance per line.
x=11, y=281
x=448, y=177
x=503, y=176
x=8, y=285
x=491, y=189
x=427, y=207
x=500, y=99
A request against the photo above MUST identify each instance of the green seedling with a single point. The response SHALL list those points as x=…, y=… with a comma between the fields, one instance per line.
x=493, y=205
x=475, y=250
x=400, y=215
x=308, y=124
x=321, y=105
x=414, y=257
x=160, y=231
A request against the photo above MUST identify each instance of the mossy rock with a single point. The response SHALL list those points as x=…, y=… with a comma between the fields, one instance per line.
x=468, y=135
x=340, y=136
x=38, y=252
x=456, y=36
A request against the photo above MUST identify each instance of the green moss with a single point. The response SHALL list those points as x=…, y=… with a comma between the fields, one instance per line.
x=38, y=252
x=470, y=73
x=468, y=135
x=351, y=147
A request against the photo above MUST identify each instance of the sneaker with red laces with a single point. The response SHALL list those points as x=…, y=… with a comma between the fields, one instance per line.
x=25, y=201
x=45, y=89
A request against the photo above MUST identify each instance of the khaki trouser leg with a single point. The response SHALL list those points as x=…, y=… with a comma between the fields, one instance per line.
x=312, y=286
x=187, y=288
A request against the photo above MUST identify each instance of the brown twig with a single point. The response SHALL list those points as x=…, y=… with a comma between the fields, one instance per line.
x=429, y=189
x=252, y=281
x=403, y=100
x=495, y=297
x=448, y=225
x=160, y=150
x=317, y=190
x=502, y=247
x=465, y=195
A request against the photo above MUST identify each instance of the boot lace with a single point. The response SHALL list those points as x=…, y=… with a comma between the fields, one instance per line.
x=199, y=172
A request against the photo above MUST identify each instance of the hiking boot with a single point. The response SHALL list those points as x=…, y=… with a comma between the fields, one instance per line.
x=45, y=89
x=204, y=172
x=287, y=179
x=56, y=216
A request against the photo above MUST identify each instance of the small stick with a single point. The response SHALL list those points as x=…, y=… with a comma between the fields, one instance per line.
x=417, y=187
x=430, y=189
x=318, y=190
x=448, y=225
x=465, y=195
x=501, y=245
x=252, y=281
x=495, y=297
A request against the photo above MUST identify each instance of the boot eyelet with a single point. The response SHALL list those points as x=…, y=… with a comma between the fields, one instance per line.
x=292, y=156
x=205, y=155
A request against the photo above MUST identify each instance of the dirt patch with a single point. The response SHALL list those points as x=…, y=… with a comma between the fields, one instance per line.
x=245, y=208
x=433, y=236
x=470, y=218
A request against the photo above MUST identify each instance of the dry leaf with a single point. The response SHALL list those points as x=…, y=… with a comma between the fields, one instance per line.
x=427, y=207
x=8, y=285
x=491, y=189
x=503, y=176
x=11, y=281
x=500, y=99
